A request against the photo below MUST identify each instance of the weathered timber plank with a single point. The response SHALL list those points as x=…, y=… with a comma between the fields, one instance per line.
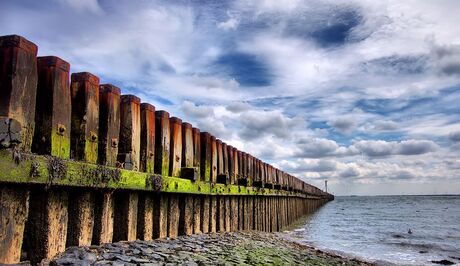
x=18, y=87
x=186, y=215
x=147, y=163
x=213, y=214
x=173, y=215
x=103, y=217
x=46, y=226
x=81, y=218
x=129, y=147
x=14, y=206
x=109, y=124
x=162, y=140
x=197, y=214
x=160, y=214
x=145, y=216
x=206, y=154
x=187, y=145
x=175, y=149
x=53, y=108
x=125, y=217
x=205, y=214
x=85, y=117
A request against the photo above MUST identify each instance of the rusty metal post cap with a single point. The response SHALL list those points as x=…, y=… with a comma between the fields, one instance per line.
x=130, y=98
x=186, y=125
x=175, y=120
x=53, y=61
x=109, y=88
x=148, y=107
x=161, y=113
x=85, y=76
x=19, y=42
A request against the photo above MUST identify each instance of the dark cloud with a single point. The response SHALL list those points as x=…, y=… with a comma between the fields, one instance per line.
x=455, y=136
x=415, y=147
x=343, y=124
x=238, y=107
x=386, y=125
x=403, y=175
x=320, y=147
x=323, y=166
x=257, y=124
x=446, y=59
x=396, y=65
x=349, y=172
x=380, y=148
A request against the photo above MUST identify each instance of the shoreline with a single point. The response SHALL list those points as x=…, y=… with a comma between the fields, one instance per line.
x=241, y=248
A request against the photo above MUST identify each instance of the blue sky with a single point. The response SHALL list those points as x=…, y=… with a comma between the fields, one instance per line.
x=363, y=93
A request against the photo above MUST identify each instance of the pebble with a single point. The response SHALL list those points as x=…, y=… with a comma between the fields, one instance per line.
x=241, y=248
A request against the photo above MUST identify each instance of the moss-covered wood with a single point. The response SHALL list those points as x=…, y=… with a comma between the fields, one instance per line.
x=51, y=171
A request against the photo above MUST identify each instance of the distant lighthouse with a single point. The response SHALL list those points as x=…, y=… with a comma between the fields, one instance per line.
x=325, y=185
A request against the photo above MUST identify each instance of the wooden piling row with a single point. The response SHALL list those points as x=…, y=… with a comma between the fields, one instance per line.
x=43, y=112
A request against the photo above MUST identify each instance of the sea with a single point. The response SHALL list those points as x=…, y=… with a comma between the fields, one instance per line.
x=401, y=230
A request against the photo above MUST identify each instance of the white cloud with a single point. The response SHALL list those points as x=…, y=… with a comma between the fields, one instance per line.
x=371, y=110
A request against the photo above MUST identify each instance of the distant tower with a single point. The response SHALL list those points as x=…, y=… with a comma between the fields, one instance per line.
x=325, y=185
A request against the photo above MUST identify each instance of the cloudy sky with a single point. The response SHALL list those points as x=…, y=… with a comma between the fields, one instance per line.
x=365, y=94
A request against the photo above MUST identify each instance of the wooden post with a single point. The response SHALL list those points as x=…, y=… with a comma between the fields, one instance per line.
x=241, y=216
x=206, y=155
x=18, y=87
x=220, y=159
x=109, y=134
x=175, y=149
x=236, y=166
x=14, y=206
x=109, y=124
x=162, y=140
x=256, y=221
x=125, y=218
x=205, y=212
x=160, y=214
x=47, y=224
x=103, y=218
x=187, y=145
x=85, y=117
x=147, y=163
x=225, y=162
x=213, y=159
x=231, y=164
x=173, y=216
x=81, y=218
x=197, y=215
x=129, y=149
x=228, y=214
x=251, y=172
x=197, y=150
x=188, y=171
x=213, y=222
x=250, y=212
x=186, y=215
x=222, y=163
x=52, y=116
x=145, y=216
x=220, y=213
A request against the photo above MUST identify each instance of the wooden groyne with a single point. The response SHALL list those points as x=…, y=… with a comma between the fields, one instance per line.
x=82, y=164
